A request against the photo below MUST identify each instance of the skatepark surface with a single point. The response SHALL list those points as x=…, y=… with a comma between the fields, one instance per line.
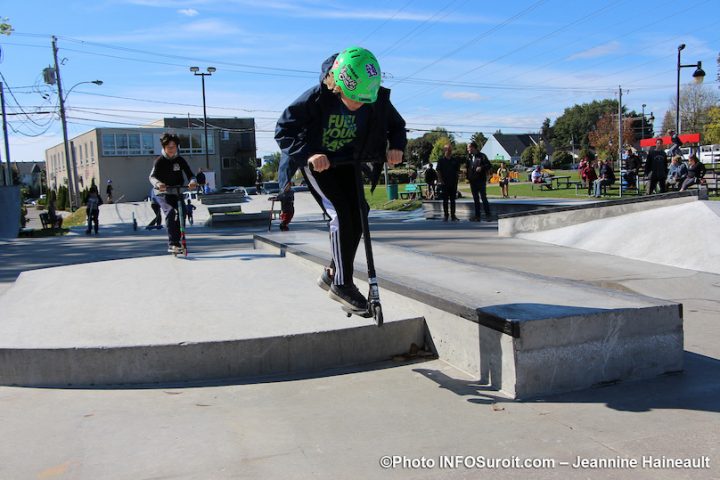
x=399, y=418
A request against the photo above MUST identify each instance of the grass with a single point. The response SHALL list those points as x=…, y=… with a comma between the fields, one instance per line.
x=76, y=219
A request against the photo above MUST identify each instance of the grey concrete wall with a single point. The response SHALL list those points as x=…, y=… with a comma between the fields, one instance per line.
x=10, y=212
x=540, y=220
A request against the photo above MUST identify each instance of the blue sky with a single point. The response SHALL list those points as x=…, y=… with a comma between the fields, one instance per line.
x=465, y=65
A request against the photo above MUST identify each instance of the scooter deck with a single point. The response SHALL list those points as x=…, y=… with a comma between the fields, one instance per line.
x=359, y=313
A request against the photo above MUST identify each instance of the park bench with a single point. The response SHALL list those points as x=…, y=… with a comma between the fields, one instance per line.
x=411, y=191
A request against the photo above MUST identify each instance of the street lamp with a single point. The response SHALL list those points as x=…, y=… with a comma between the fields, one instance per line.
x=698, y=76
x=210, y=71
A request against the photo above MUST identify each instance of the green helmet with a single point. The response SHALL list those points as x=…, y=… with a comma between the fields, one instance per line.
x=357, y=72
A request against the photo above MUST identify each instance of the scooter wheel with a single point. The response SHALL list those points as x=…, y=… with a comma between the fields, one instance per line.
x=348, y=314
x=378, y=315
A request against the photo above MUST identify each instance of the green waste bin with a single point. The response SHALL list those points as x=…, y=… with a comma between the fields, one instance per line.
x=392, y=191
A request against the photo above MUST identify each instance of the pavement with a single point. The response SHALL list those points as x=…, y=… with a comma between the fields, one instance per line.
x=399, y=419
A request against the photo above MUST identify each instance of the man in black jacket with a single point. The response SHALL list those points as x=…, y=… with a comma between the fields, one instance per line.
x=448, y=168
x=656, y=168
x=478, y=167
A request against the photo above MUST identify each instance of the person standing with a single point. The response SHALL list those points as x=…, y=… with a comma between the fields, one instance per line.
x=92, y=209
x=258, y=181
x=504, y=180
x=477, y=167
x=189, y=207
x=200, y=181
x=656, y=168
x=448, y=168
x=431, y=181
x=347, y=115
x=109, y=191
x=157, y=221
x=168, y=171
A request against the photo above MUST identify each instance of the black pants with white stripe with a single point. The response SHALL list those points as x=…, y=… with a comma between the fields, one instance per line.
x=336, y=192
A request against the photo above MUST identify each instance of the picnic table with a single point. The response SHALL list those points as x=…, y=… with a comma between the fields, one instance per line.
x=413, y=191
x=557, y=179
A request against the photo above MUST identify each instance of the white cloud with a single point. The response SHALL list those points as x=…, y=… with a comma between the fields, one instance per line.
x=595, y=52
x=468, y=96
x=188, y=12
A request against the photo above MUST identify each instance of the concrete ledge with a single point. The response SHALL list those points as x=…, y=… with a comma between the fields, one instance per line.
x=239, y=359
x=242, y=321
x=533, y=221
x=465, y=209
x=527, y=335
x=220, y=198
x=228, y=220
x=225, y=208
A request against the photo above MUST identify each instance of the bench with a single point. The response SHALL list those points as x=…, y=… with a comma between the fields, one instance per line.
x=412, y=190
x=47, y=223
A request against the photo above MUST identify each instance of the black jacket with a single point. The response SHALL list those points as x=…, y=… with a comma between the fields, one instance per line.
x=448, y=169
x=656, y=164
x=299, y=130
x=475, y=161
x=170, y=171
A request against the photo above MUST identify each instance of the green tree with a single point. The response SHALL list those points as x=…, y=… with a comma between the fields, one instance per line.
x=711, y=132
x=539, y=152
x=527, y=156
x=419, y=150
x=479, y=138
x=546, y=131
x=438, y=146
x=5, y=27
x=578, y=121
x=270, y=168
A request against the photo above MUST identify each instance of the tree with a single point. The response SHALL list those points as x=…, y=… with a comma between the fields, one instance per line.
x=526, y=157
x=578, y=121
x=270, y=168
x=5, y=27
x=668, y=121
x=546, y=131
x=539, y=152
x=604, y=136
x=711, y=132
x=438, y=146
x=419, y=150
x=695, y=101
x=479, y=138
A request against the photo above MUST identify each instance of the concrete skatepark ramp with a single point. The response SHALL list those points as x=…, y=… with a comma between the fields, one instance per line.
x=683, y=236
x=161, y=319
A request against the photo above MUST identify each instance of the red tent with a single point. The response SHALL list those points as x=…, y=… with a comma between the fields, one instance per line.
x=685, y=138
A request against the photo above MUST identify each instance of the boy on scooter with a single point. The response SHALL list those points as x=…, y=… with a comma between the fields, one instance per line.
x=347, y=115
x=167, y=172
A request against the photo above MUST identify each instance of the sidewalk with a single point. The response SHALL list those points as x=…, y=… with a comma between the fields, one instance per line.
x=343, y=424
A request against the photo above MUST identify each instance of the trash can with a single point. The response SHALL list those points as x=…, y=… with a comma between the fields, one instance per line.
x=392, y=191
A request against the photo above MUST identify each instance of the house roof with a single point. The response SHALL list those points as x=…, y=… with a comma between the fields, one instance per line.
x=518, y=142
x=26, y=168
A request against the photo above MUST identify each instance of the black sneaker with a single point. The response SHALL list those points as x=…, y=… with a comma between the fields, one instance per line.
x=325, y=279
x=348, y=295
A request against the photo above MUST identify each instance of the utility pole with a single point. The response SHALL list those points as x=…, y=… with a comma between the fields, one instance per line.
x=620, y=136
x=70, y=184
x=8, y=174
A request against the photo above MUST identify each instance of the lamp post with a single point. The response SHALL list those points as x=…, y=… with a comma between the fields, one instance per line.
x=698, y=76
x=202, y=75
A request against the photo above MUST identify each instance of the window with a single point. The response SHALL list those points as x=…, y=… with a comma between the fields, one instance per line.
x=134, y=144
x=125, y=144
x=227, y=162
x=92, y=152
x=226, y=135
x=108, y=140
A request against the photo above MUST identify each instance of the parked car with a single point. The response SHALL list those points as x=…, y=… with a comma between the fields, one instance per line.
x=270, y=188
x=299, y=188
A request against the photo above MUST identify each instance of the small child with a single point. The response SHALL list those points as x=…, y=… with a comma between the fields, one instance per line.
x=189, y=211
x=346, y=115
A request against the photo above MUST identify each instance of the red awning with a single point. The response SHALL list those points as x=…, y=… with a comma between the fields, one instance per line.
x=685, y=138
